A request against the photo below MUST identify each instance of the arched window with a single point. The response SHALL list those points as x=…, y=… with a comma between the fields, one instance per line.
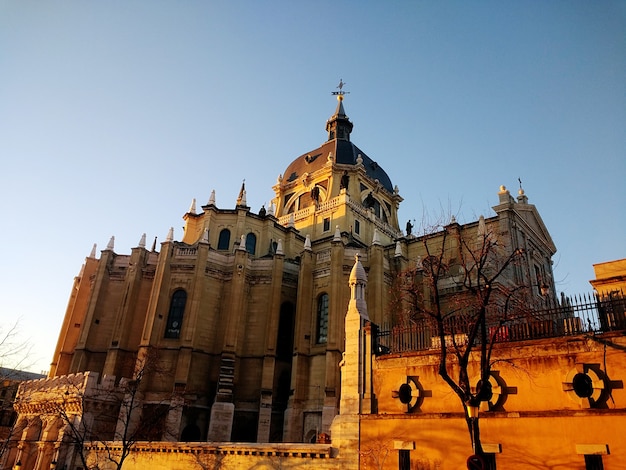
x=223, y=241
x=251, y=243
x=175, y=315
x=322, y=319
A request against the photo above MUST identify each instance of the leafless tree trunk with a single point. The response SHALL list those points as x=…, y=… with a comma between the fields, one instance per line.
x=464, y=289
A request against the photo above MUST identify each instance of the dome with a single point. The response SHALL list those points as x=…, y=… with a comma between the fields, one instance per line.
x=357, y=275
x=343, y=151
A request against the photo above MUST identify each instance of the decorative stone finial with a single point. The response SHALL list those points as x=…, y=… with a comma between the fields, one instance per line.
x=212, y=198
x=337, y=237
x=205, y=236
x=307, y=243
x=142, y=241
x=376, y=237
x=482, y=229
x=279, y=247
x=504, y=195
x=192, y=207
x=170, y=235
x=398, y=252
x=241, y=199
x=521, y=195
x=111, y=244
x=292, y=221
x=270, y=209
x=93, y=251
x=242, y=243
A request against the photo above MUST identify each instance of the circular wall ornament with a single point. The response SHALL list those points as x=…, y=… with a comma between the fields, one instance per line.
x=408, y=394
x=584, y=386
x=493, y=394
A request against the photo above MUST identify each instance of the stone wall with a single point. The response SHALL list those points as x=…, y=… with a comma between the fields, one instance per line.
x=536, y=417
x=222, y=456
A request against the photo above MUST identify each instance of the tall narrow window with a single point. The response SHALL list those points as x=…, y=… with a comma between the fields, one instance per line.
x=593, y=462
x=404, y=460
x=326, y=224
x=223, y=241
x=322, y=319
x=175, y=315
x=284, y=340
x=490, y=461
x=251, y=243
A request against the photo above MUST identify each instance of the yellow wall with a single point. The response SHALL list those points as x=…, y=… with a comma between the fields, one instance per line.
x=610, y=276
x=537, y=424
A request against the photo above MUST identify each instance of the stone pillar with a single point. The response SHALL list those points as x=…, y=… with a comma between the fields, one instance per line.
x=223, y=409
x=345, y=429
x=294, y=418
x=269, y=361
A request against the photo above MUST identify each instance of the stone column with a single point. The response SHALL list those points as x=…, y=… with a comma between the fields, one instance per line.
x=345, y=429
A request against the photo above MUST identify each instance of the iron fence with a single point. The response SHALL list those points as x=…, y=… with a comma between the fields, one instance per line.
x=571, y=316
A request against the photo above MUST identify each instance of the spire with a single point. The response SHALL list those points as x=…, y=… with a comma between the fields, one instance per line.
x=241, y=199
x=398, y=252
x=358, y=281
x=337, y=237
x=170, y=235
x=339, y=125
x=521, y=195
x=212, y=198
x=93, y=251
x=376, y=237
x=192, y=207
x=111, y=244
x=142, y=241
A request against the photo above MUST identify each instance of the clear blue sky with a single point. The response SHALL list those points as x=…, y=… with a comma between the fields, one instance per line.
x=114, y=115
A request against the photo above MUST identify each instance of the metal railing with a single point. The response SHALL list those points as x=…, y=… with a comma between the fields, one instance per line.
x=571, y=316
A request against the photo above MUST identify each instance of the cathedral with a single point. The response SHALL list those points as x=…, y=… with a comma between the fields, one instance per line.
x=236, y=331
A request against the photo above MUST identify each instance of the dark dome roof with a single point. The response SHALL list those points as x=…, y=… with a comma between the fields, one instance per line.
x=345, y=153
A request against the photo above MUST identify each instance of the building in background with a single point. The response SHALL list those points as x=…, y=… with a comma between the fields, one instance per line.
x=610, y=277
x=235, y=332
x=9, y=383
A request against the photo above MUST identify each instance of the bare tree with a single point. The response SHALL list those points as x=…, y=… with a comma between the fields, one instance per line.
x=464, y=289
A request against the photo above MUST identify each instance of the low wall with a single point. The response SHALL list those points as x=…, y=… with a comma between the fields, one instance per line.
x=214, y=456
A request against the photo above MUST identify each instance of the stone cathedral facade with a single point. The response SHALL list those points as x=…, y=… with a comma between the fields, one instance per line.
x=243, y=318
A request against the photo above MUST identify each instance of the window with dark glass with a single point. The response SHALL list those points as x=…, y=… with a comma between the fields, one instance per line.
x=593, y=462
x=404, y=460
x=251, y=243
x=490, y=461
x=223, y=242
x=175, y=315
x=357, y=227
x=322, y=319
x=284, y=341
x=326, y=224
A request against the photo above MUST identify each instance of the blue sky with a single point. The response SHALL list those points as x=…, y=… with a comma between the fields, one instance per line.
x=114, y=115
